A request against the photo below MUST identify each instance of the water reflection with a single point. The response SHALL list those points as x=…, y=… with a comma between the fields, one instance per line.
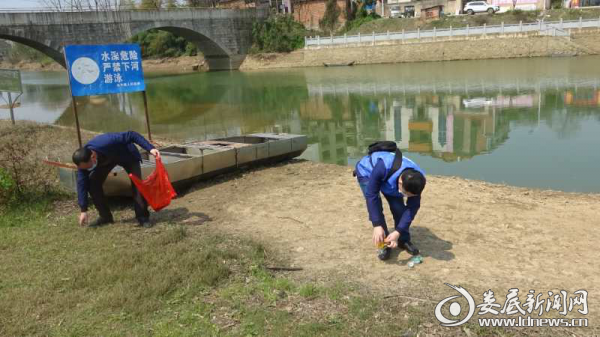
x=450, y=112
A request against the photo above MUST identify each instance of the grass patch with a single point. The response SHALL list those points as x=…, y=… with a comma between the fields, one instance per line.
x=308, y=291
x=62, y=280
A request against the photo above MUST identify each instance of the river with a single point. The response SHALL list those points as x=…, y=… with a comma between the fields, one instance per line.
x=525, y=122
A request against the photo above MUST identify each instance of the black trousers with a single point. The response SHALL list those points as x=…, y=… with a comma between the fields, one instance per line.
x=99, y=175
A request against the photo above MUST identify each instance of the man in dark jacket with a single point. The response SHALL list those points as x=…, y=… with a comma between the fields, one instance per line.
x=95, y=161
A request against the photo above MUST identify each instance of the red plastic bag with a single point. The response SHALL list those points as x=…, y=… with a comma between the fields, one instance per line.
x=156, y=189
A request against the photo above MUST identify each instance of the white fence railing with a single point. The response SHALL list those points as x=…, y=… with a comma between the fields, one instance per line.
x=555, y=28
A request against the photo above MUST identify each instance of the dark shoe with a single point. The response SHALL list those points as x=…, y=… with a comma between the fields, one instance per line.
x=144, y=222
x=384, y=254
x=100, y=222
x=409, y=247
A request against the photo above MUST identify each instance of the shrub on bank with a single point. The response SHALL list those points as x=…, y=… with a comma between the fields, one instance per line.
x=157, y=43
x=23, y=176
x=360, y=20
x=277, y=34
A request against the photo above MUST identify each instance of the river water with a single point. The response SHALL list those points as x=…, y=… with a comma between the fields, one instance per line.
x=525, y=122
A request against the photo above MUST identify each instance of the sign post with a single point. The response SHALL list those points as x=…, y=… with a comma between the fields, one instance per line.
x=10, y=81
x=105, y=69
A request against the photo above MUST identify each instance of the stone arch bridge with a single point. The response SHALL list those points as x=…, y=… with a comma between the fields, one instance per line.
x=222, y=35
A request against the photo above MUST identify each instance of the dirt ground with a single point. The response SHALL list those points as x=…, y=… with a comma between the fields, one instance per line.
x=471, y=233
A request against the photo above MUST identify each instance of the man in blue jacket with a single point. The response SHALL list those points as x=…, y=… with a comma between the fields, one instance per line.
x=95, y=161
x=408, y=181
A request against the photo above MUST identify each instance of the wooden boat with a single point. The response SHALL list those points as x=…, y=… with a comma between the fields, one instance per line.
x=339, y=64
x=197, y=160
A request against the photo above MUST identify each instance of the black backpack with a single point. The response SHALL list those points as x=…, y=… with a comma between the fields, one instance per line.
x=387, y=146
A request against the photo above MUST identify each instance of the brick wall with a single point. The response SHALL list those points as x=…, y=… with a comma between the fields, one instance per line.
x=309, y=13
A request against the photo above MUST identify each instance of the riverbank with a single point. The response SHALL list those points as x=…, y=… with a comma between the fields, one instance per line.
x=181, y=64
x=582, y=42
x=310, y=216
x=585, y=42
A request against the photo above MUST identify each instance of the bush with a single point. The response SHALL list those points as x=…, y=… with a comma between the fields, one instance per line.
x=157, y=43
x=20, y=52
x=525, y=16
x=22, y=172
x=277, y=34
x=556, y=4
x=191, y=50
x=331, y=16
x=361, y=18
x=480, y=20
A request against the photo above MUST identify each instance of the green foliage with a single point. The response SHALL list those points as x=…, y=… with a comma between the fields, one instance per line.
x=277, y=34
x=151, y=4
x=361, y=18
x=201, y=3
x=7, y=184
x=157, y=43
x=480, y=20
x=20, y=52
x=331, y=16
x=171, y=4
x=127, y=5
x=556, y=4
x=525, y=16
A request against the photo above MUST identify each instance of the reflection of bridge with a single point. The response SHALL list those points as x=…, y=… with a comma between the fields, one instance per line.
x=383, y=88
x=222, y=35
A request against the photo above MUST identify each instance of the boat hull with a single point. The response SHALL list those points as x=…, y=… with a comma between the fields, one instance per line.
x=193, y=161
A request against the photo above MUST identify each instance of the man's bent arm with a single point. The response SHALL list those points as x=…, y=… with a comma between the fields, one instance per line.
x=374, y=205
x=412, y=207
x=134, y=137
x=83, y=186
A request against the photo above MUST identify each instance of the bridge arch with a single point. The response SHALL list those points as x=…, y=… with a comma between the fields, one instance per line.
x=222, y=35
x=217, y=56
x=54, y=53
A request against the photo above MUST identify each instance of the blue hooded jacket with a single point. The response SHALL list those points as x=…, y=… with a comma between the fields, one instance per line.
x=365, y=167
x=371, y=171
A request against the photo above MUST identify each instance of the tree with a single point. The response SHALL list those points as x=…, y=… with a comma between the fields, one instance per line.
x=201, y=3
x=127, y=5
x=330, y=19
x=171, y=4
x=151, y=4
x=86, y=5
x=279, y=33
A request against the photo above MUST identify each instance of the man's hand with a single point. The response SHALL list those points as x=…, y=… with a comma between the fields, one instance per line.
x=378, y=235
x=392, y=239
x=83, y=218
x=155, y=153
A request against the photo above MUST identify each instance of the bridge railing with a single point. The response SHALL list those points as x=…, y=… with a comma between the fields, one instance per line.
x=555, y=28
x=102, y=9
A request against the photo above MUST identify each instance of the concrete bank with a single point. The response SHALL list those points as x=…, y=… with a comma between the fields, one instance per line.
x=586, y=42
